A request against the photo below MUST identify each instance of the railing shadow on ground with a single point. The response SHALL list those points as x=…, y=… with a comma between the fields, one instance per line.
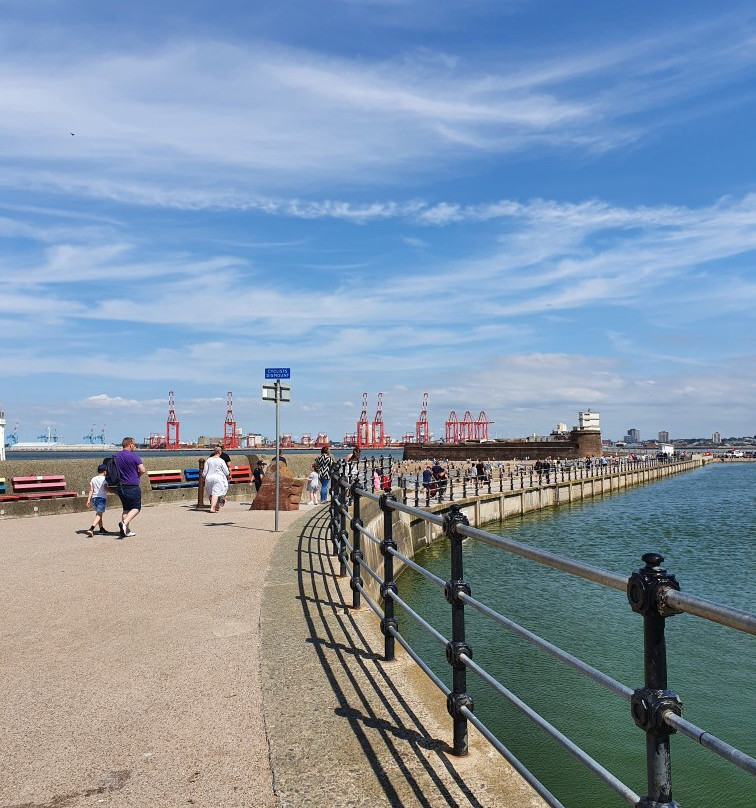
x=400, y=750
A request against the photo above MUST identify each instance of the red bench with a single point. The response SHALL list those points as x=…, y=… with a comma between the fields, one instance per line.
x=240, y=474
x=41, y=487
x=4, y=496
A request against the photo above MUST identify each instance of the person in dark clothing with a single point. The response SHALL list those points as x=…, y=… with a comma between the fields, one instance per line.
x=258, y=474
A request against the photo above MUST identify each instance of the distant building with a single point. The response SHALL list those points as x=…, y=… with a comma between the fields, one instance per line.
x=588, y=421
x=632, y=436
x=716, y=438
x=664, y=437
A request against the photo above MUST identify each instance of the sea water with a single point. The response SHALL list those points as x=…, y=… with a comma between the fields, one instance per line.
x=704, y=524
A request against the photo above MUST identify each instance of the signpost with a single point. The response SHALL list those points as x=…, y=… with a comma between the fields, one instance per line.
x=279, y=393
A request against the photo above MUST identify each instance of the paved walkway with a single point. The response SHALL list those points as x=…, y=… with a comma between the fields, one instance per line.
x=210, y=662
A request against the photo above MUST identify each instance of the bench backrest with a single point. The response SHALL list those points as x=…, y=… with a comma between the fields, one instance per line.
x=191, y=475
x=166, y=476
x=240, y=474
x=41, y=484
x=2, y=485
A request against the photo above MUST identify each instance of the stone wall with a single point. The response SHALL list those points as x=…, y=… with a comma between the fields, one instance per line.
x=578, y=444
x=79, y=472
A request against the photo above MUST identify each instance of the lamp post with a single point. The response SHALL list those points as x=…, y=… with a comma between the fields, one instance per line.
x=277, y=393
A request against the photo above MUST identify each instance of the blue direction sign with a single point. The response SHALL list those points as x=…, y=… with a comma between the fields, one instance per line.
x=277, y=373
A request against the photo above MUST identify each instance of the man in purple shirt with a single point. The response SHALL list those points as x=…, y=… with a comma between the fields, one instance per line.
x=130, y=469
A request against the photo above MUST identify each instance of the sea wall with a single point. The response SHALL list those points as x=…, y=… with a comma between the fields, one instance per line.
x=78, y=473
x=577, y=444
x=411, y=533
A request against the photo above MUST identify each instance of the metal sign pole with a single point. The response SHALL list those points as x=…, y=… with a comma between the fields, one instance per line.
x=278, y=451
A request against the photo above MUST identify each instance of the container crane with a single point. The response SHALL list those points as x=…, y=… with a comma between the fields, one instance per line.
x=481, y=426
x=321, y=440
x=452, y=428
x=466, y=428
x=422, y=431
x=379, y=436
x=172, y=425
x=363, y=425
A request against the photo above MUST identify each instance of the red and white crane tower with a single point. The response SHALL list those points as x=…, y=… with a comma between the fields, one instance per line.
x=408, y=437
x=363, y=425
x=422, y=430
x=230, y=438
x=481, y=426
x=171, y=425
x=306, y=439
x=321, y=440
x=379, y=435
x=286, y=440
x=452, y=428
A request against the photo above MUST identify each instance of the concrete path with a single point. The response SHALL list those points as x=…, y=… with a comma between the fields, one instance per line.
x=129, y=669
x=211, y=662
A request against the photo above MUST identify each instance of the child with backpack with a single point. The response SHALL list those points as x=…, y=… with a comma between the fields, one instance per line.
x=96, y=497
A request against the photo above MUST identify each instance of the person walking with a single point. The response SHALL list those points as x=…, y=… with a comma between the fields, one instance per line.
x=313, y=485
x=130, y=469
x=96, y=498
x=216, y=474
x=324, y=466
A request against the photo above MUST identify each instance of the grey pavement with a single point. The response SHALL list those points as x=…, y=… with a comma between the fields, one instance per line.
x=211, y=662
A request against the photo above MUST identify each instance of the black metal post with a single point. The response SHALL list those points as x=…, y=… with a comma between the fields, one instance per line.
x=356, y=581
x=389, y=621
x=459, y=696
x=646, y=590
x=343, y=499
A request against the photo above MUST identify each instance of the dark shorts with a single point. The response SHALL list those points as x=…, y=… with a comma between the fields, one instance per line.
x=131, y=497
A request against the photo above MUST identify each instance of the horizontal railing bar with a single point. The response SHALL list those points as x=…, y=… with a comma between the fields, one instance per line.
x=583, y=757
x=437, y=635
x=421, y=514
x=363, y=492
x=581, y=667
x=415, y=566
x=700, y=607
x=371, y=572
x=710, y=742
x=426, y=670
x=559, y=562
x=370, y=602
x=519, y=767
x=368, y=535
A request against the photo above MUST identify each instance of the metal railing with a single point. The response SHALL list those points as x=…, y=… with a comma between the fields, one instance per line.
x=652, y=592
x=383, y=473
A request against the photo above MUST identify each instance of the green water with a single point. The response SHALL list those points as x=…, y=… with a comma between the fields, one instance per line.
x=704, y=524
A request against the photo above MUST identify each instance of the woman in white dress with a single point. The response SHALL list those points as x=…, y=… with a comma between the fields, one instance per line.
x=216, y=476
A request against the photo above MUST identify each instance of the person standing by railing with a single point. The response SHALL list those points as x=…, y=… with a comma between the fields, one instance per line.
x=324, y=465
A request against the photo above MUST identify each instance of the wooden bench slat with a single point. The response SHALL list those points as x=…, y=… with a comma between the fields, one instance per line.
x=41, y=486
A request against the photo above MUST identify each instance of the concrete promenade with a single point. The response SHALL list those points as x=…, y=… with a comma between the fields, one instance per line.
x=211, y=662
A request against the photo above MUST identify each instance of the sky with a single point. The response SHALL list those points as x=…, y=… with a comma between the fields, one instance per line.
x=525, y=207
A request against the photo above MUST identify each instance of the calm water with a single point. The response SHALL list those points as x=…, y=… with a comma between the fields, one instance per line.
x=704, y=523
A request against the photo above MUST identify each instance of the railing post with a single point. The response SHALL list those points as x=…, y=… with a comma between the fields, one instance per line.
x=459, y=696
x=342, y=551
x=356, y=582
x=389, y=584
x=200, y=484
x=646, y=591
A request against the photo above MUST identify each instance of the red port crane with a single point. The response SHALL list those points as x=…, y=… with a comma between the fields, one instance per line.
x=230, y=438
x=408, y=437
x=321, y=440
x=452, y=428
x=306, y=439
x=363, y=425
x=422, y=431
x=171, y=425
x=481, y=426
x=466, y=428
x=379, y=436
x=286, y=440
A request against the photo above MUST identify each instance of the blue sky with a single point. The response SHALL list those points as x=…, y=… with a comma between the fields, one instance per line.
x=524, y=207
